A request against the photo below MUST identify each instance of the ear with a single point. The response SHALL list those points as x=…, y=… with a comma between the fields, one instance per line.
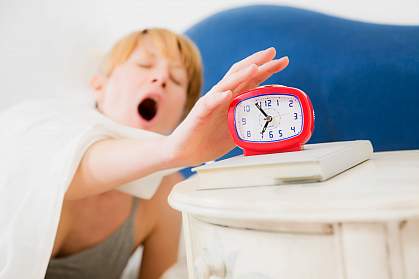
x=98, y=84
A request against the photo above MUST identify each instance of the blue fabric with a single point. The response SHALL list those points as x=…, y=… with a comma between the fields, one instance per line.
x=362, y=78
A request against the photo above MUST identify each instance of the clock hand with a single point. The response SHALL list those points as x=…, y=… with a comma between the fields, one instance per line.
x=264, y=127
x=264, y=113
x=268, y=120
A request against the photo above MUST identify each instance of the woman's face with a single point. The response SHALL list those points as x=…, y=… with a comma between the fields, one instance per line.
x=148, y=91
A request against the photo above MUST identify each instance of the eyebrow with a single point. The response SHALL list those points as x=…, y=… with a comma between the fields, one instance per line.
x=172, y=65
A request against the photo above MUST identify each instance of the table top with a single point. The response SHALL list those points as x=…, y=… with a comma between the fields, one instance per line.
x=385, y=187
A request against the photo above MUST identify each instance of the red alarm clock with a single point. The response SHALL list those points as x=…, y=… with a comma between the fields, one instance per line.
x=271, y=119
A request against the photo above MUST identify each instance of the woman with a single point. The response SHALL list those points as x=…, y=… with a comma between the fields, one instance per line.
x=150, y=80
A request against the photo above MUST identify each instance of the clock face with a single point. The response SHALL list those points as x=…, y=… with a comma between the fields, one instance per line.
x=268, y=118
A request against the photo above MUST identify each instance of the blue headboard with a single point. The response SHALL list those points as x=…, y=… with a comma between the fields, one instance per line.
x=363, y=78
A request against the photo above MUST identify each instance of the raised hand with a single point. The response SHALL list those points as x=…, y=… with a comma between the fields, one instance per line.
x=204, y=134
x=266, y=66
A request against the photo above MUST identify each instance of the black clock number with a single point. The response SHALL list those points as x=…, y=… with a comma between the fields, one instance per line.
x=295, y=115
x=280, y=133
x=246, y=108
x=244, y=121
x=291, y=103
x=268, y=103
x=293, y=128
x=248, y=134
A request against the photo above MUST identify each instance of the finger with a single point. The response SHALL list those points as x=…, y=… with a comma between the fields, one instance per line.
x=235, y=79
x=264, y=72
x=258, y=58
x=271, y=68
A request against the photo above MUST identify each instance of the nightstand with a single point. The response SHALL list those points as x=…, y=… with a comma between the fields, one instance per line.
x=362, y=223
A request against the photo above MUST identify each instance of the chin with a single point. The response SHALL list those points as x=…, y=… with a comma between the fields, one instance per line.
x=152, y=127
x=161, y=131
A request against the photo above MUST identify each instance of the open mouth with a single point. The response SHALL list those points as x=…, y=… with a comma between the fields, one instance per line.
x=147, y=109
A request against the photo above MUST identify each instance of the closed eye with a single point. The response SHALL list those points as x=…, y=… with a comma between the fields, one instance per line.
x=176, y=81
x=144, y=65
x=178, y=77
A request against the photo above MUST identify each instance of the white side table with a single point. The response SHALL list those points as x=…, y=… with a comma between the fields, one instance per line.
x=363, y=223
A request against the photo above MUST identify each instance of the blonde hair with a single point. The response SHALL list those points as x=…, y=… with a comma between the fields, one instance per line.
x=171, y=44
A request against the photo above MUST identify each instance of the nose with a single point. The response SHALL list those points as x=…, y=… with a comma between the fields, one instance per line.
x=159, y=81
x=160, y=75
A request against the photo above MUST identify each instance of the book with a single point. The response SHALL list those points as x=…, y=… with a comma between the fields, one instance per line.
x=316, y=162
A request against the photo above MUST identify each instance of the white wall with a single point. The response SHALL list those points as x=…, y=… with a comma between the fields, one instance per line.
x=51, y=47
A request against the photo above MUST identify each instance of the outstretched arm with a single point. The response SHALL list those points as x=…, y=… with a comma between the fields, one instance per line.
x=202, y=136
